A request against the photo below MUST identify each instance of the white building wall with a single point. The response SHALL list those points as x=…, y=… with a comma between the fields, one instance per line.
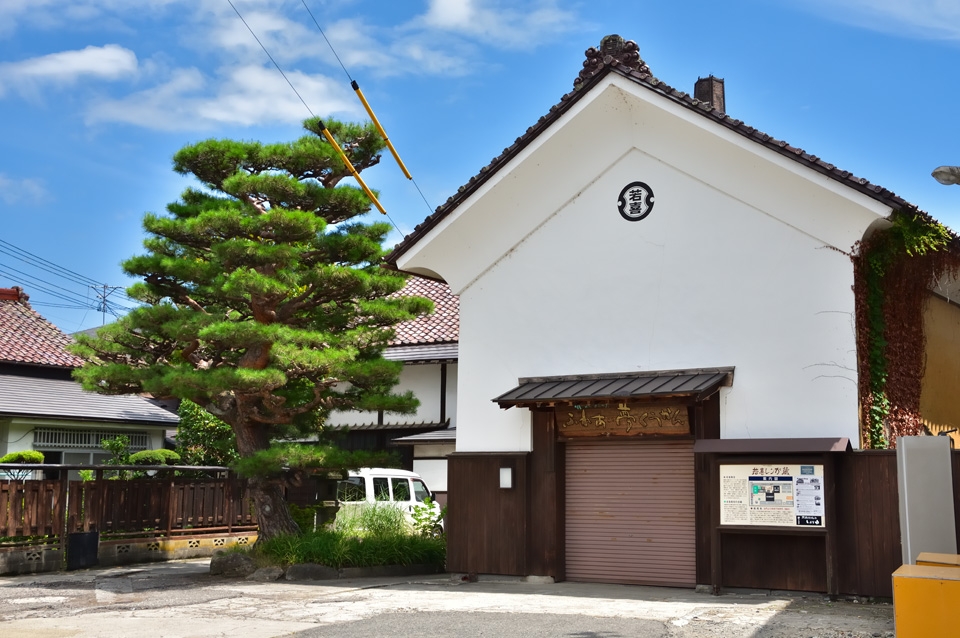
x=433, y=472
x=733, y=267
x=424, y=381
x=17, y=434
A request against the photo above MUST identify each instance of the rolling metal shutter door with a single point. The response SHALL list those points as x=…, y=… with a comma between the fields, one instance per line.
x=630, y=512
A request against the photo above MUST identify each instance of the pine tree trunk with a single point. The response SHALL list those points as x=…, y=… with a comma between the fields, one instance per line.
x=273, y=515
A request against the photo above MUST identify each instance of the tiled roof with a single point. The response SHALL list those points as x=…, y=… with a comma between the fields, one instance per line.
x=629, y=65
x=443, y=326
x=63, y=399
x=28, y=338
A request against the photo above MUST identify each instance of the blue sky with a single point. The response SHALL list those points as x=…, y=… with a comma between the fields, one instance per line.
x=97, y=95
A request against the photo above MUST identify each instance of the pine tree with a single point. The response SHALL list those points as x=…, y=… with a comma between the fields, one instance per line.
x=264, y=301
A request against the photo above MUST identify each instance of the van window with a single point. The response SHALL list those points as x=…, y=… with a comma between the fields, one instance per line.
x=351, y=490
x=420, y=490
x=401, y=489
x=381, y=489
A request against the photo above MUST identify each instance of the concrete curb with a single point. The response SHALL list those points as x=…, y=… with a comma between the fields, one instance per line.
x=312, y=571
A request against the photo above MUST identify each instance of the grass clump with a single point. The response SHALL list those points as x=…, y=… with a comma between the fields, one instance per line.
x=366, y=535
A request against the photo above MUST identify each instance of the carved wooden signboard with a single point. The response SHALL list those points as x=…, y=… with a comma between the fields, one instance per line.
x=622, y=419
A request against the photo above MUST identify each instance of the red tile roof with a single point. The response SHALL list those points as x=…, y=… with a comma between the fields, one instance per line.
x=627, y=62
x=443, y=326
x=28, y=338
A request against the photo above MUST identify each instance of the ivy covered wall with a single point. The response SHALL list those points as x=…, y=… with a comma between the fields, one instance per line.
x=894, y=270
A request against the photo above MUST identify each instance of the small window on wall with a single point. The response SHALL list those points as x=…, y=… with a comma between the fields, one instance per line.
x=381, y=489
x=401, y=489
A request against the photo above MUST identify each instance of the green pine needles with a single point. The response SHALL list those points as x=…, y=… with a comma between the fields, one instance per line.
x=263, y=299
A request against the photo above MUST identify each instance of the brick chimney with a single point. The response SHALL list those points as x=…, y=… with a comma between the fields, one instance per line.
x=710, y=90
x=13, y=294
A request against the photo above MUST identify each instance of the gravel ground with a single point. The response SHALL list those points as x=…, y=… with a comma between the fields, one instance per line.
x=180, y=599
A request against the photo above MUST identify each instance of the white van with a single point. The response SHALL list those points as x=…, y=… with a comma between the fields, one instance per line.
x=384, y=485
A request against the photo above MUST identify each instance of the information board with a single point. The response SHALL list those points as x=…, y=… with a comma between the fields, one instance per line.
x=778, y=495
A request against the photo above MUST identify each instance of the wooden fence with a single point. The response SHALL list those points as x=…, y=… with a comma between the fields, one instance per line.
x=867, y=532
x=43, y=511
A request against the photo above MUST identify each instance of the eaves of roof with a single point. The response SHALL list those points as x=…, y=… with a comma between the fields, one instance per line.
x=365, y=427
x=438, y=436
x=643, y=78
x=695, y=385
x=38, y=398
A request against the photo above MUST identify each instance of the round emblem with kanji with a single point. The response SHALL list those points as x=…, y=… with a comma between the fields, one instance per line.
x=635, y=201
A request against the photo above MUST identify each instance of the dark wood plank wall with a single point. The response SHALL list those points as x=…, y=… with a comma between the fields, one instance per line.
x=706, y=420
x=486, y=526
x=774, y=562
x=867, y=534
x=868, y=520
x=521, y=531
x=545, y=541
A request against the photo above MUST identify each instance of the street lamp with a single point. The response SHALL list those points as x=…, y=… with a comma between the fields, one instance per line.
x=947, y=174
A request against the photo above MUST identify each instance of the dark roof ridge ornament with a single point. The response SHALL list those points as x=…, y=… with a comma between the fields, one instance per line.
x=613, y=51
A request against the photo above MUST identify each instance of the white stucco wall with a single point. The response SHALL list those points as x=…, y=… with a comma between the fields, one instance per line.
x=433, y=472
x=424, y=381
x=732, y=268
x=17, y=434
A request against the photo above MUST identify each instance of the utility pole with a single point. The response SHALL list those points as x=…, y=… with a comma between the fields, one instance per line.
x=102, y=297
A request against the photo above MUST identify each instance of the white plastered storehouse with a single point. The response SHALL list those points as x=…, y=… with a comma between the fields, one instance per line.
x=728, y=291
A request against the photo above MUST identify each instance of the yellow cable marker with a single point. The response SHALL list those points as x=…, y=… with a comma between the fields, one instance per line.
x=353, y=171
x=383, y=134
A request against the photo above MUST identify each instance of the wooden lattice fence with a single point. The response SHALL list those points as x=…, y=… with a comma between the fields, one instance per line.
x=43, y=511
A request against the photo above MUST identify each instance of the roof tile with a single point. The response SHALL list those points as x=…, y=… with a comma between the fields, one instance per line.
x=28, y=338
x=442, y=326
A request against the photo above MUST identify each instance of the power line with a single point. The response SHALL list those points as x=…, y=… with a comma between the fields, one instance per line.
x=356, y=88
x=43, y=264
x=309, y=110
x=37, y=279
x=328, y=41
x=271, y=58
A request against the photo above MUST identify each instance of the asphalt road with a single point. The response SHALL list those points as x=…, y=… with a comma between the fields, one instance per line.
x=181, y=600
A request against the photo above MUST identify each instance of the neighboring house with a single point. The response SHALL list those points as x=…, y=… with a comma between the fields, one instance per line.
x=43, y=409
x=639, y=271
x=428, y=348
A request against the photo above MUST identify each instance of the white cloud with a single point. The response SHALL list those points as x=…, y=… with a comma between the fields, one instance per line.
x=51, y=14
x=926, y=19
x=169, y=93
x=248, y=95
x=21, y=191
x=500, y=23
x=110, y=62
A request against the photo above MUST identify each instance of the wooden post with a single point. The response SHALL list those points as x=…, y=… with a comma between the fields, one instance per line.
x=100, y=509
x=228, y=493
x=64, y=512
x=830, y=494
x=716, y=576
x=171, y=511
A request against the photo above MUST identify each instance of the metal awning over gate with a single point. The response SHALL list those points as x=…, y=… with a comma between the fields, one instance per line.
x=695, y=385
